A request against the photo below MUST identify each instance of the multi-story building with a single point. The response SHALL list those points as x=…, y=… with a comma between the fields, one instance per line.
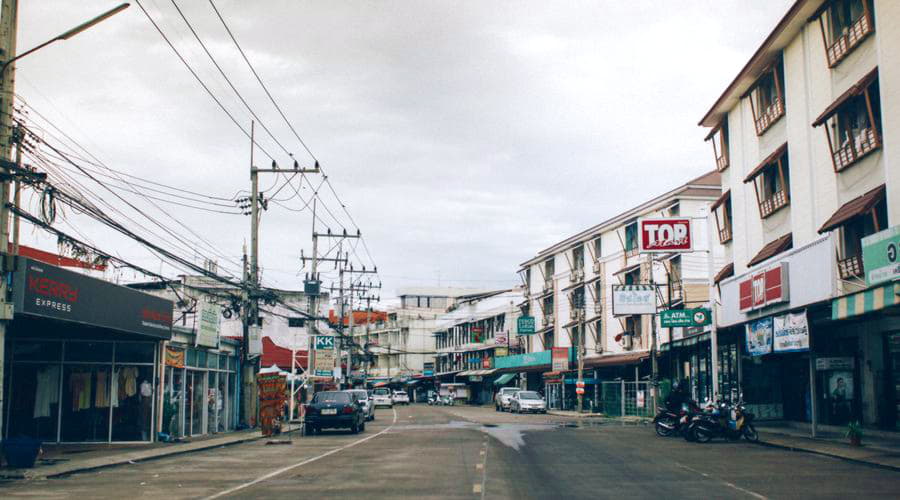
x=805, y=138
x=568, y=288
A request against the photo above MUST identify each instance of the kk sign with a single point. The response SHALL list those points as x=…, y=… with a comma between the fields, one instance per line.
x=881, y=255
x=764, y=288
x=665, y=235
x=324, y=343
x=682, y=318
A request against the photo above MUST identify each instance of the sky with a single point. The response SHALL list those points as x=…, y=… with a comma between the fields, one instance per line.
x=461, y=137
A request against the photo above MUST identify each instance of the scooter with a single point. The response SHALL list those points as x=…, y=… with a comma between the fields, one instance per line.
x=432, y=400
x=731, y=421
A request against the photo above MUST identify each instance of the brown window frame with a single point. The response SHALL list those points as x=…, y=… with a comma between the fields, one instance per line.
x=766, y=114
x=853, y=148
x=769, y=199
x=838, y=47
x=724, y=219
x=849, y=260
x=719, y=138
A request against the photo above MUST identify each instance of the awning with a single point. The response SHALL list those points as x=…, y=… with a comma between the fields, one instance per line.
x=866, y=301
x=379, y=384
x=725, y=272
x=413, y=382
x=857, y=206
x=769, y=159
x=476, y=372
x=716, y=204
x=857, y=89
x=626, y=270
x=502, y=379
x=773, y=248
x=629, y=358
x=452, y=372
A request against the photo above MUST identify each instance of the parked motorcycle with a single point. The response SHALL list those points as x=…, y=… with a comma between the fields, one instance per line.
x=671, y=422
x=722, y=419
x=432, y=400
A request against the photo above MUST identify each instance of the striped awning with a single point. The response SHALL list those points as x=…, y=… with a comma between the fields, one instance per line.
x=866, y=301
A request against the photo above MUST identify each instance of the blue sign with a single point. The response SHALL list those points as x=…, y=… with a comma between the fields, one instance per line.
x=760, y=336
x=530, y=359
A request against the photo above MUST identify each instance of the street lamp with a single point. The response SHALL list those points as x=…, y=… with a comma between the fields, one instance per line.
x=68, y=34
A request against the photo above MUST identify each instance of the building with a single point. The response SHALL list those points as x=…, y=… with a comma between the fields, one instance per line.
x=568, y=291
x=805, y=138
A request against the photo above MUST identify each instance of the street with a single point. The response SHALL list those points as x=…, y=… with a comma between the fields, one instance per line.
x=420, y=451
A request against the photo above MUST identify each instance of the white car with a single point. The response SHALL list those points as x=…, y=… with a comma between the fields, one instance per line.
x=501, y=400
x=400, y=398
x=382, y=397
x=527, y=402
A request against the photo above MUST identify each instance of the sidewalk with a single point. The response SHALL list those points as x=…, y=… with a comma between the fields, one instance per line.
x=878, y=450
x=575, y=414
x=60, y=460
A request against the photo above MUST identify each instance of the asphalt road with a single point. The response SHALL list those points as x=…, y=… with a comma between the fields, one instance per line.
x=464, y=452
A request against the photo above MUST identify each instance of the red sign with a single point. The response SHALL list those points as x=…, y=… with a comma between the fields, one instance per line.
x=560, y=358
x=486, y=363
x=579, y=390
x=665, y=235
x=764, y=288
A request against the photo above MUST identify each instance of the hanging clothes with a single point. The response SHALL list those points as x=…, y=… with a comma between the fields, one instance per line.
x=101, y=398
x=128, y=382
x=114, y=388
x=80, y=390
x=47, y=391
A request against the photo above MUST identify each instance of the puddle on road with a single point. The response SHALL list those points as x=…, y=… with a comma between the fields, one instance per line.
x=509, y=434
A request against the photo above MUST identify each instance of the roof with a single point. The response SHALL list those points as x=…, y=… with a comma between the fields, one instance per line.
x=786, y=30
x=477, y=310
x=434, y=291
x=707, y=185
x=857, y=88
x=716, y=204
x=773, y=248
x=855, y=207
x=273, y=354
x=769, y=159
x=725, y=272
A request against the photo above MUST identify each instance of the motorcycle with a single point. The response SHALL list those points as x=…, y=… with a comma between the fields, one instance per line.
x=432, y=400
x=731, y=421
x=668, y=422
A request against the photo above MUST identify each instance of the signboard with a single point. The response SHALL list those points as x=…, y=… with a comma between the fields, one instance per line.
x=428, y=368
x=324, y=363
x=525, y=325
x=52, y=292
x=680, y=318
x=475, y=378
x=633, y=299
x=791, y=333
x=640, y=399
x=174, y=357
x=764, y=288
x=501, y=351
x=560, y=359
x=324, y=342
x=824, y=364
x=665, y=234
x=759, y=337
x=208, y=324
x=254, y=341
x=486, y=363
x=272, y=389
x=881, y=255
x=501, y=338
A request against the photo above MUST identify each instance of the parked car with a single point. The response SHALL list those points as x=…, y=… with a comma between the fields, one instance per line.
x=400, y=398
x=362, y=396
x=501, y=399
x=334, y=410
x=527, y=402
x=382, y=397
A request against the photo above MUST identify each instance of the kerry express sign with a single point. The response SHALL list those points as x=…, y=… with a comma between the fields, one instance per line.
x=48, y=291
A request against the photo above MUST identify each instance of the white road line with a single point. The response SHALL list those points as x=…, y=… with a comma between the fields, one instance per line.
x=483, y=470
x=726, y=483
x=307, y=461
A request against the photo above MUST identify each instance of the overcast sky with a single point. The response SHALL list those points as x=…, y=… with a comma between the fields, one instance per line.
x=463, y=136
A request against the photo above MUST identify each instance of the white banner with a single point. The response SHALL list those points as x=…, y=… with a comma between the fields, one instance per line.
x=633, y=299
x=208, y=318
x=791, y=332
x=254, y=344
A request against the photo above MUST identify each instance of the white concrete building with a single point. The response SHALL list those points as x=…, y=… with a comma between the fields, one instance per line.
x=806, y=139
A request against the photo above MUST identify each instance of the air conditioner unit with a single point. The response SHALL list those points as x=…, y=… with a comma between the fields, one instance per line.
x=548, y=285
x=548, y=320
x=597, y=267
x=598, y=348
x=576, y=314
x=576, y=276
x=627, y=341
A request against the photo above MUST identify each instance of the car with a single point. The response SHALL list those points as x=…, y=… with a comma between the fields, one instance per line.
x=501, y=400
x=527, y=402
x=362, y=396
x=382, y=397
x=334, y=410
x=400, y=398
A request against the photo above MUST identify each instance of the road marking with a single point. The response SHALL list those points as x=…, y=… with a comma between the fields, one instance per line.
x=298, y=464
x=476, y=488
x=726, y=483
x=483, y=470
x=479, y=466
x=482, y=453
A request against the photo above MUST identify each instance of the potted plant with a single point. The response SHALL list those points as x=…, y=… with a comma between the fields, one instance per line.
x=855, y=433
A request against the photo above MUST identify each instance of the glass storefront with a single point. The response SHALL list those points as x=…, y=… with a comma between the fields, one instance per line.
x=81, y=391
x=201, y=394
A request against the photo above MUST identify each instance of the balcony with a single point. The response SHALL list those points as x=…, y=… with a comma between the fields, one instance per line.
x=852, y=151
x=548, y=285
x=770, y=115
x=725, y=235
x=676, y=292
x=851, y=267
x=771, y=204
x=721, y=163
x=851, y=37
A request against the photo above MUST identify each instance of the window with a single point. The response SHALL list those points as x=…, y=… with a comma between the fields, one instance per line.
x=577, y=298
x=676, y=290
x=548, y=273
x=719, y=137
x=771, y=181
x=674, y=210
x=598, y=248
x=853, y=123
x=578, y=257
x=844, y=25
x=633, y=278
x=721, y=208
x=767, y=98
x=631, y=243
x=856, y=219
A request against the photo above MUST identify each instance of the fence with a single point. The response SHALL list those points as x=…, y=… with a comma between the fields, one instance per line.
x=630, y=399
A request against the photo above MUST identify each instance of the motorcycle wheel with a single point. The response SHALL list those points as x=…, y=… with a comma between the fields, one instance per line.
x=663, y=431
x=750, y=433
x=688, y=433
x=701, y=435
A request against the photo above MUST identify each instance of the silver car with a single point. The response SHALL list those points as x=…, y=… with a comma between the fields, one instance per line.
x=362, y=396
x=527, y=402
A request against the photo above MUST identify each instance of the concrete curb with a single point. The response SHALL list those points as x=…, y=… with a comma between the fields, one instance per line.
x=808, y=449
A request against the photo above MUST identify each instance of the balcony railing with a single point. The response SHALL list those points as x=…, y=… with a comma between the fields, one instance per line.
x=725, y=235
x=851, y=37
x=722, y=163
x=852, y=151
x=768, y=206
x=851, y=267
x=769, y=115
x=676, y=292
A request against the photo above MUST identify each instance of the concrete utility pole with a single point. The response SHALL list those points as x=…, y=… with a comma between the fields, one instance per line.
x=580, y=356
x=713, y=334
x=654, y=377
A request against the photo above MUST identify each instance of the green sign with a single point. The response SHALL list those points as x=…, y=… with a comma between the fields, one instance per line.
x=881, y=256
x=525, y=325
x=683, y=318
x=324, y=342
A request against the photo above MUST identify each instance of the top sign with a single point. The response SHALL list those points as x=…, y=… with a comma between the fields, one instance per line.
x=764, y=288
x=881, y=255
x=665, y=235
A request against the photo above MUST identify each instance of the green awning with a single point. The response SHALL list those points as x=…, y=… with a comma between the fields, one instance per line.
x=506, y=377
x=866, y=301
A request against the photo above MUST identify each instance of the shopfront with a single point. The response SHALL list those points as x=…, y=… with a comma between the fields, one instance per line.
x=82, y=358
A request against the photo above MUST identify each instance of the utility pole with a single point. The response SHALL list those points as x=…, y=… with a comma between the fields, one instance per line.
x=654, y=382
x=8, y=25
x=580, y=357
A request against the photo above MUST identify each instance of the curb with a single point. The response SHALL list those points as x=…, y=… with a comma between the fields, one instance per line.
x=827, y=454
